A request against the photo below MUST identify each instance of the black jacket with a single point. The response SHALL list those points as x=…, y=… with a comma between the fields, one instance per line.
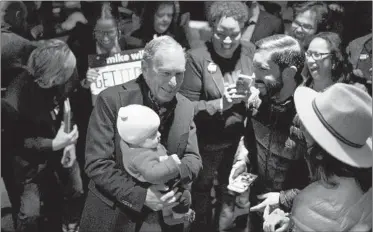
x=35, y=124
x=278, y=167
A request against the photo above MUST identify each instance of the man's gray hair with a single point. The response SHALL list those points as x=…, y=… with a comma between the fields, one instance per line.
x=160, y=43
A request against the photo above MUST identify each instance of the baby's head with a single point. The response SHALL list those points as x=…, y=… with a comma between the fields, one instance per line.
x=138, y=126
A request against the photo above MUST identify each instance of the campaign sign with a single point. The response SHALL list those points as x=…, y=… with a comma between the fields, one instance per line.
x=114, y=70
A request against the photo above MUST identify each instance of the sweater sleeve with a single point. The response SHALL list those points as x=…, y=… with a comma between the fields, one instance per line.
x=192, y=88
x=287, y=198
x=152, y=170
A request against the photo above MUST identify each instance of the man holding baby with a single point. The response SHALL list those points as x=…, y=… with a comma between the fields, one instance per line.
x=121, y=201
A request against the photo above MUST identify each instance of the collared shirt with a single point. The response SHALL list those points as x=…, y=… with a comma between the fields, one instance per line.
x=250, y=25
x=165, y=113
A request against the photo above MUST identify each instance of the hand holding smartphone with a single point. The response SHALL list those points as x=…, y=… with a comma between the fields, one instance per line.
x=242, y=182
x=244, y=83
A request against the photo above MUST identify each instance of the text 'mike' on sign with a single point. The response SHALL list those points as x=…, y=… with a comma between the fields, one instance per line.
x=114, y=70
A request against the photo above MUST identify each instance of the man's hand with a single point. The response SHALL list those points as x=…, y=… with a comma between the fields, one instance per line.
x=69, y=156
x=277, y=218
x=37, y=31
x=254, y=100
x=63, y=139
x=156, y=201
x=272, y=199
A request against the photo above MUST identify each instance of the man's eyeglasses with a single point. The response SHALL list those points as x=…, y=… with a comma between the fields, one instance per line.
x=316, y=55
x=305, y=27
x=99, y=33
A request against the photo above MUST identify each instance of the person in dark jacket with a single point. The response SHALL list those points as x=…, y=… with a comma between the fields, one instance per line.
x=15, y=49
x=360, y=56
x=117, y=201
x=36, y=96
x=159, y=18
x=278, y=63
x=210, y=70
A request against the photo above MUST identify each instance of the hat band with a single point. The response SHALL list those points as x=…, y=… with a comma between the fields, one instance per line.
x=331, y=129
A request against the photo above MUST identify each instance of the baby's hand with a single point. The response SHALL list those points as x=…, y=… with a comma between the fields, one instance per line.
x=163, y=158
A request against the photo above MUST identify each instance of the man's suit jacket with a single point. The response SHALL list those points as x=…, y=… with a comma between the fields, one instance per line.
x=355, y=47
x=115, y=201
x=266, y=25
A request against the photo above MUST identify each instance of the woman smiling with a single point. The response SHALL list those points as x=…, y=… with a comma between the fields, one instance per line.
x=99, y=36
x=159, y=18
x=220, y=123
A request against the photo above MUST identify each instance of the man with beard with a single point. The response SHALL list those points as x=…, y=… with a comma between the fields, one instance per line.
x=278, y=62
x=310, y=19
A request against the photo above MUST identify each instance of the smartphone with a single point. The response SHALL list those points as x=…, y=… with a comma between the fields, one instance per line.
x=244, y=83
x=172, y=184
x=242, y=182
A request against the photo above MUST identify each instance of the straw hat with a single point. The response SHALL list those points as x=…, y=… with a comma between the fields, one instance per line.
x=340, y=120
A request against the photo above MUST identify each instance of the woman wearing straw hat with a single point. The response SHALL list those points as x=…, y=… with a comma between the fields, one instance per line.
x=325, y=65
x=337, y=126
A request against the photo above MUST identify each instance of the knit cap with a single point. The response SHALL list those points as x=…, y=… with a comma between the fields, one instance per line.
x=136, y=122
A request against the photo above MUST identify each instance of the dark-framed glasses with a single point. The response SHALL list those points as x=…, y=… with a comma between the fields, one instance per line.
x=109, y=33
x=317, y=55
x=305, y=27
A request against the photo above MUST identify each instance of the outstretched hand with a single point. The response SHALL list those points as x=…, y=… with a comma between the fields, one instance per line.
x=277, y=218
x=272, y=199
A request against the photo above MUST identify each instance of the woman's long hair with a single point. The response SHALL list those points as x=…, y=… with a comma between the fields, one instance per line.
x=147, y=25
x=342, y=70
x=323, y=169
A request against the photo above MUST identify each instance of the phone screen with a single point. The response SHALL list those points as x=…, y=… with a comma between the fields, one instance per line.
x=244, y=83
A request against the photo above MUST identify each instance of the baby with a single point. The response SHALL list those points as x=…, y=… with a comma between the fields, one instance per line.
x=146, y=159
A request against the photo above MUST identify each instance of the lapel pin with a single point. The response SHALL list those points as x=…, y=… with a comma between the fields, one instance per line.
x=212, y=68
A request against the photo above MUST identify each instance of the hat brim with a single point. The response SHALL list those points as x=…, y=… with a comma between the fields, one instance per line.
x=357, y=157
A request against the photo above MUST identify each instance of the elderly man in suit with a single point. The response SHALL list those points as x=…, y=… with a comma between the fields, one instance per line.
x=116, y=201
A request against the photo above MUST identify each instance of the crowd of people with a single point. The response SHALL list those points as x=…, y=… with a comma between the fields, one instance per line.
x=281, y=91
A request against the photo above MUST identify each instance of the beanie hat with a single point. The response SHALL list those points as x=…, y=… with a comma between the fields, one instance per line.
x=136, y=122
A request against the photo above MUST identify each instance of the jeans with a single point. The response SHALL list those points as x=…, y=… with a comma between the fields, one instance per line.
x=38, y=198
